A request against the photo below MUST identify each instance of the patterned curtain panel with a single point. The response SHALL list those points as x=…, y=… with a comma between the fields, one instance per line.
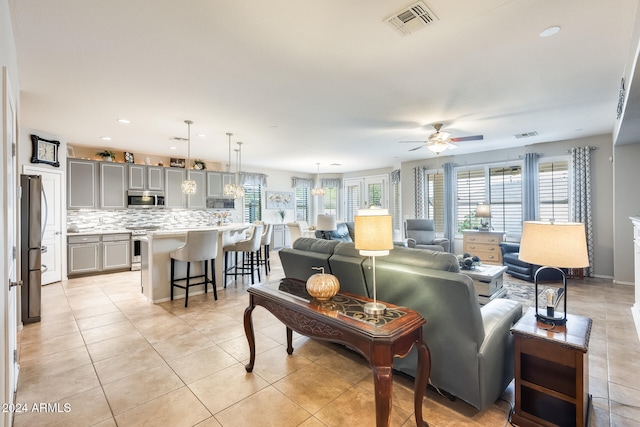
x=531, y=196
x=248, y=178
x=395, y=176
x=581, y=190
x=450, y=225
x=300, y=182
x=419, y=188
x=330, y=182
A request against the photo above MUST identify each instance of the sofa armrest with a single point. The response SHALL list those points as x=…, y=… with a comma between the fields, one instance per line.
x=411, y=243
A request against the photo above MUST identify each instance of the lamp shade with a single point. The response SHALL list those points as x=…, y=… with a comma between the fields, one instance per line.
x=373, y=232
x=483, y=211
x=326, y=223
x=554, y=244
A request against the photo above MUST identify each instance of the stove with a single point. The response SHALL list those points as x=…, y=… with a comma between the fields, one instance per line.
x=136, y=233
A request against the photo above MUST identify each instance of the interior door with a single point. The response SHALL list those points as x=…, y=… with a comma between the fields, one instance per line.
x=52, y=221
x=9, y=291
x=361, y=193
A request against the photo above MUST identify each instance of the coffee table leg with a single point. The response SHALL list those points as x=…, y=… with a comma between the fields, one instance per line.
x=289, y=341
x=382, y=383
x=424, y=370
x=248, y=330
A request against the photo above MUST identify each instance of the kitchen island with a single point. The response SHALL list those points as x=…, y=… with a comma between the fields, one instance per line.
x=156, y=261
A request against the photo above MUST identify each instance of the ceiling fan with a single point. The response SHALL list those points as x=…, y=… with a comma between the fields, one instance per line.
x=440, y=140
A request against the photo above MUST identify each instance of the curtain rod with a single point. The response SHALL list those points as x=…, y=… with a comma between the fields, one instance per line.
x=590, y=148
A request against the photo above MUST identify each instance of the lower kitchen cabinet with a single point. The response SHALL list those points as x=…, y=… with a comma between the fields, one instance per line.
x=280, y=238
x=90, y=254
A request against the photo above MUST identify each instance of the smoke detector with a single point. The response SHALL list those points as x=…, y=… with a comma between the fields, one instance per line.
x=411, y=19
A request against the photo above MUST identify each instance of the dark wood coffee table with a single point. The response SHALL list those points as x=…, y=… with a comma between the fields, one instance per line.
x=342, y=320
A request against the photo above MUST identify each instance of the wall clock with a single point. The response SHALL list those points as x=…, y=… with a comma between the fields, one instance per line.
x=45, y=151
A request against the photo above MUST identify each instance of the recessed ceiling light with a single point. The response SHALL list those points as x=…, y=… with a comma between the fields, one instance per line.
x=124, y=121
x=105, y=138
x=202, y=135
x=550, y=31
x=173, y=148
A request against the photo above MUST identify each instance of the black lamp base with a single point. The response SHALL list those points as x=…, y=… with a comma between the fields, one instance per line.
x=550, y=316
x=551, y=320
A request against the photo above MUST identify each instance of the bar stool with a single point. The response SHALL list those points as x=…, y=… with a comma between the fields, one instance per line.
x=250, y=247
x=200, y=246
x=265, y=242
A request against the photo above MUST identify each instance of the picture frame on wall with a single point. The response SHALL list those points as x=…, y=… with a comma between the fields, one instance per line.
x=177, y=163
x=280, y=200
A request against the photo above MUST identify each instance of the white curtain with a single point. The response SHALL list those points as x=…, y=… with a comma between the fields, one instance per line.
x=419, y=191
x=450, y=223
x=581, y=192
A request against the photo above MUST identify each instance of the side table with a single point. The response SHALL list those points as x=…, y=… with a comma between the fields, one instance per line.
x=551, y=372
x=343, y=320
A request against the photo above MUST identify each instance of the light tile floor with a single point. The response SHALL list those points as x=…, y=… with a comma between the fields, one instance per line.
x=114, y=359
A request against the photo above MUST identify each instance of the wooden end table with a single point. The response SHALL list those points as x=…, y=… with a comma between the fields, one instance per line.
x=342, y=320
x=551, y=372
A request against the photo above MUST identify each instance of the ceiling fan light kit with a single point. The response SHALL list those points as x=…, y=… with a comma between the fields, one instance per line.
x=441, y=140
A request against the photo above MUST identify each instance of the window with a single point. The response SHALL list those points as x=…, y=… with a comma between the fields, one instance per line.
x=330, y=201
x=302, y=203
x=353, y=200
x=395, y=194
x=252, y=202
x=470, y=191
x=434, y=199
x=505, y=197
x=554, y=190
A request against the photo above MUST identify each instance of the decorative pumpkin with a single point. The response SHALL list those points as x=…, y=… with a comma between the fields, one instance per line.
x=322, y=286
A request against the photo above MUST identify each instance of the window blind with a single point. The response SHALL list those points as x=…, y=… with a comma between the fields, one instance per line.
x=470, y=191
x=302, y=203
x=554, y=190
x=505, y=197
x=252, y=202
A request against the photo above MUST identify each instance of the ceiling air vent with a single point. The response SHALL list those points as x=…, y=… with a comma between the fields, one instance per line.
x=526, y=134
x=411, y=19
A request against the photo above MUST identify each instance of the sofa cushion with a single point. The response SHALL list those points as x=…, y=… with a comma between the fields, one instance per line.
x=424, y=258
x=346, y=263
x=315, y=245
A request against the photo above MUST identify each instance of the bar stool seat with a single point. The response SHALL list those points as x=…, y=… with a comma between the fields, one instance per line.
x=249, y=247
x=201, y=246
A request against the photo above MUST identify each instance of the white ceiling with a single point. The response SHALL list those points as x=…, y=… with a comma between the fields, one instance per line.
x=302, y=82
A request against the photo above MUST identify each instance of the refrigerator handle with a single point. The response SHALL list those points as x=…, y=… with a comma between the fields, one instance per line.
x=46, y=211
x=44, y=268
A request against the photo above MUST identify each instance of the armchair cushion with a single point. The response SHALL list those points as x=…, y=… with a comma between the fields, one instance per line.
x=423, y=234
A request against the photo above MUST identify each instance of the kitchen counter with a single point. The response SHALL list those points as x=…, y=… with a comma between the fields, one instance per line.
x=156, y=261
x=95, y=232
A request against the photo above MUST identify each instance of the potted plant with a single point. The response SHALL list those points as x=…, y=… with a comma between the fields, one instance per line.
x=107, y=155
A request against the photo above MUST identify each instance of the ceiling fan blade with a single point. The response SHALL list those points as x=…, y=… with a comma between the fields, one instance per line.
x=468, y=138
x=417, y=148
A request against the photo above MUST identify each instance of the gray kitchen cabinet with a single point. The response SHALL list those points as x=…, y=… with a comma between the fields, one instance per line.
x=280, y=237
x=83, y=254
x=116, y=251
x=143, y=177
x=113, y=184
x=174, y=197
x=82, y=184
x=198, y=200
x=216, y=182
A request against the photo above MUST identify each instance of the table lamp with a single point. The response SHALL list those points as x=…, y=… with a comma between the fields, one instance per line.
x=483, y=211
x=553, y=245
x=326, y=223
x=373, y=237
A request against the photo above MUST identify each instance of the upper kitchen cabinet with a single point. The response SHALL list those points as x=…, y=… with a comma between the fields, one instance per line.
x=216, y=182
x=142, y=177
x=198, y=200
x=113, y=180
x=174, y=197
x=82, y=184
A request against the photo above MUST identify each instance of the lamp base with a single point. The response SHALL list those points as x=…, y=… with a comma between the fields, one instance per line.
x=374, y=308
x=557, y=319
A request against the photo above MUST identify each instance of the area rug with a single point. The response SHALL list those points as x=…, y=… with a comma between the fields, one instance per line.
x=524, y=292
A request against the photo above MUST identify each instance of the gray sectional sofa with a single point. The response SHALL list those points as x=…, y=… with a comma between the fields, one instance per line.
x=471, y=346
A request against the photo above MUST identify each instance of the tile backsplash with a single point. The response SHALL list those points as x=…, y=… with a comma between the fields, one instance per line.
x=89, y=220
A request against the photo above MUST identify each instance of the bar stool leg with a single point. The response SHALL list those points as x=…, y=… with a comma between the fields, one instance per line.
x=206, y=276
x=186, y=288
x=213, y=275
x=257, y=265
x=173, y=262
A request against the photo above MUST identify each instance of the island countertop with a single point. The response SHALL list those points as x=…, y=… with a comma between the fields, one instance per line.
x=156, y=259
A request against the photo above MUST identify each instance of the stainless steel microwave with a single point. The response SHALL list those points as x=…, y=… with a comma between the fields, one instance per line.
x=145, y=199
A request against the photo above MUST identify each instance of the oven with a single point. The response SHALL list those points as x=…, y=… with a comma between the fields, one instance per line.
x=137, y=234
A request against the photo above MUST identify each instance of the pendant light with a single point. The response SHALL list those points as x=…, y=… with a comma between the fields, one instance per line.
x=188, y=186
x=317, y=191
x=234, y=190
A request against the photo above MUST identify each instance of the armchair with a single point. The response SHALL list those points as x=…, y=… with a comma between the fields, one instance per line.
x=524, y=270
x=421, y=234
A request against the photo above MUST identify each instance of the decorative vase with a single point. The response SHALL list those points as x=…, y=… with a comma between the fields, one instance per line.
x=322, y=286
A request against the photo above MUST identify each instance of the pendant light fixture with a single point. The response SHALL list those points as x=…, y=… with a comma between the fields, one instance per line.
x=317, y=191
x=234, y=190
x=188, y=186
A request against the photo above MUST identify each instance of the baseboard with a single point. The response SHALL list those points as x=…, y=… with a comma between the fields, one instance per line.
x=635, y=310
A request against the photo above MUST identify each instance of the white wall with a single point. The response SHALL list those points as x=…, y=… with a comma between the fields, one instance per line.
x=601, y=181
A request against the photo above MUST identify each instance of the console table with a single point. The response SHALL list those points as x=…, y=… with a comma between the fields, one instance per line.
x=342, y=320
x=551, y=372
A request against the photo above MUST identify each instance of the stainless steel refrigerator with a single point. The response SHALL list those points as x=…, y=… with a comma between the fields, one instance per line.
x=31, y=246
